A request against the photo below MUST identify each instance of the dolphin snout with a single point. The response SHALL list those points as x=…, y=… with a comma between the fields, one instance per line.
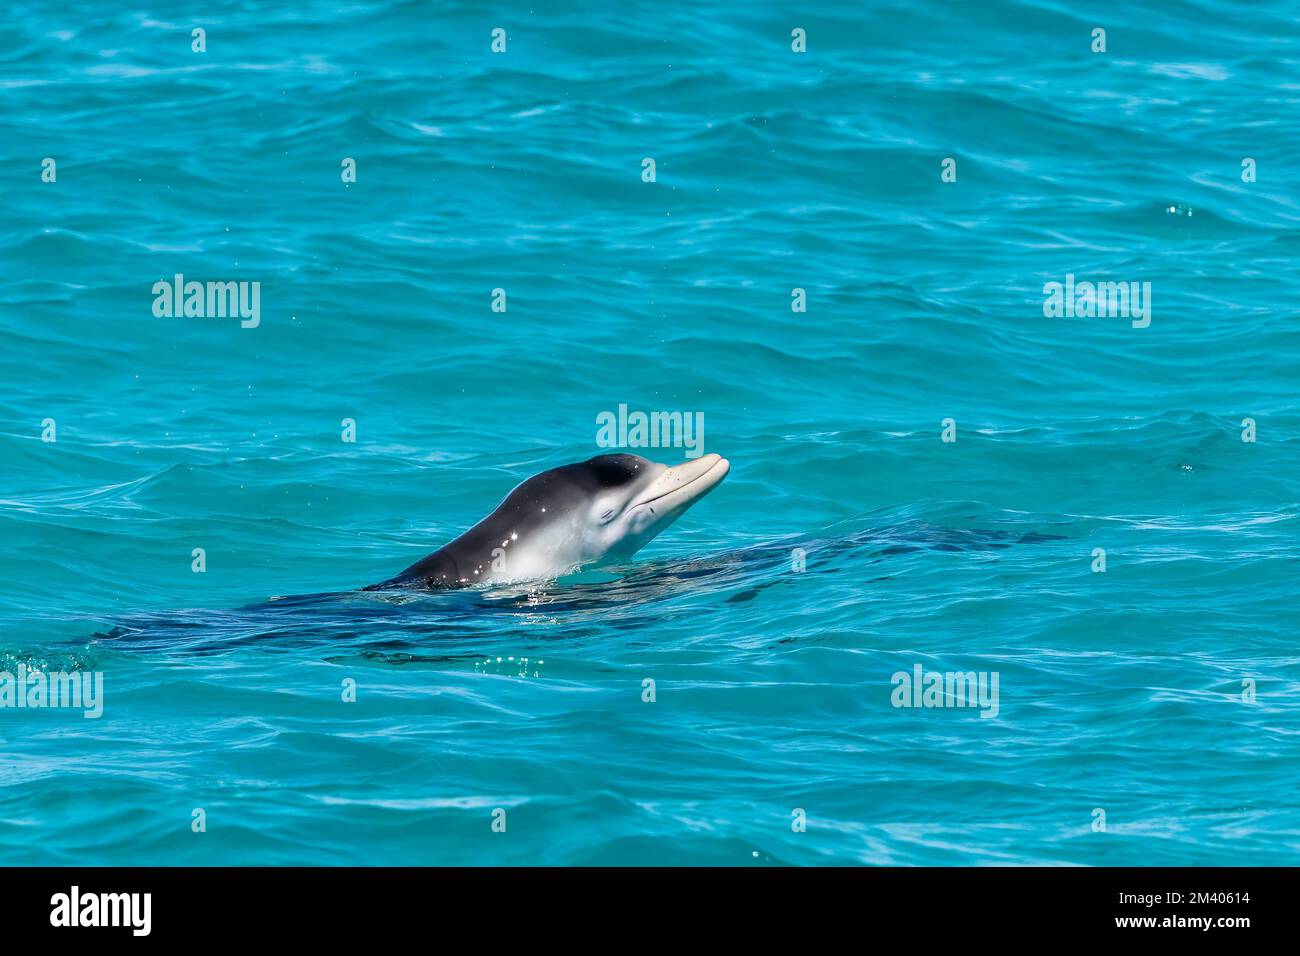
x=681, y=486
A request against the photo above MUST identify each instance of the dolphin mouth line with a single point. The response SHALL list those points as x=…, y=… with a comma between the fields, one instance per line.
x=721, y=463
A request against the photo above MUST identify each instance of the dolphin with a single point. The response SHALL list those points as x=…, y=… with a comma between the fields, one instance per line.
x=610, y=506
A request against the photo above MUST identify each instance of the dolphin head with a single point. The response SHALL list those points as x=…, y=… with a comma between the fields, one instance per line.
x=610, y=506
x=639, y=498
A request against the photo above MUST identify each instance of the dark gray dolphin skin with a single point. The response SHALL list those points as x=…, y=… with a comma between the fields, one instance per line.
x=608, y=506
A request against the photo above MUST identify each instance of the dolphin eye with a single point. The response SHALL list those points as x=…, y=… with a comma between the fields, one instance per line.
x=607, y=515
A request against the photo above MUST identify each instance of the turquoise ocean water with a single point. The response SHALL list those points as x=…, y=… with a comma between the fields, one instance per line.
x=1158, y=697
